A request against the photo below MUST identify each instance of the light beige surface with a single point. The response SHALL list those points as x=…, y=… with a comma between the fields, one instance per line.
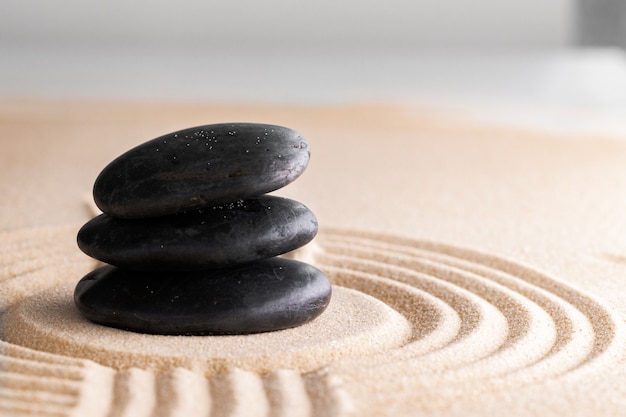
x=478, y=270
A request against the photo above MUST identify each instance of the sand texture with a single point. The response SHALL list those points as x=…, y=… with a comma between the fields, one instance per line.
x=477, y=269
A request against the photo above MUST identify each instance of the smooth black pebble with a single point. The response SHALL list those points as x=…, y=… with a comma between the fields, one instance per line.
x=263, y=296
x=200, y=167
x=233, y=233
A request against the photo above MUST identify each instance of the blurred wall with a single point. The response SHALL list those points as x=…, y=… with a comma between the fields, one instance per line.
x=427, y=24
x=601, y=23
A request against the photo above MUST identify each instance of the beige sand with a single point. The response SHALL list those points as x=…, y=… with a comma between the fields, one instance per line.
x=478, y=271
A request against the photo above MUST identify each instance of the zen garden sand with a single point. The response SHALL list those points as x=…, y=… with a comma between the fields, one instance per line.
x=477, y=269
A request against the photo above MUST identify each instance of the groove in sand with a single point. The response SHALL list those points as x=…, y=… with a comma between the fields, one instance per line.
x=408, y=315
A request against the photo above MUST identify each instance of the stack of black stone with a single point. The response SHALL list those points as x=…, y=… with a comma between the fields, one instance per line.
x=192, y=240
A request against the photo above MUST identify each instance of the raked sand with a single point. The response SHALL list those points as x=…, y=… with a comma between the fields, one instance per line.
x=477, y=270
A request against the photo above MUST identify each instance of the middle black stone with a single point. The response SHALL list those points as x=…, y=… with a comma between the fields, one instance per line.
x=215, y=237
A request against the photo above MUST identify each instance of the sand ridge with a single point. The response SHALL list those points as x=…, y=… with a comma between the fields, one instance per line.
x=550, y=327
x=466, y=316
x=50, y=321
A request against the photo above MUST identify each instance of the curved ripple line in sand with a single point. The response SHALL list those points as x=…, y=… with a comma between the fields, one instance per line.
x=472, y=316
x=553, y=329
x=34, y=382
x=34, y=260
x=504, y=317
x=49, y=321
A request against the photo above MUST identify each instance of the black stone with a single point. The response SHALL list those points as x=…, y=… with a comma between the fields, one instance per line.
x=271, y=294
x=239, y=232
x=200, y=167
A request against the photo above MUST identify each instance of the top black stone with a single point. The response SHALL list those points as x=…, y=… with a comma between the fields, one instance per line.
x=200, y=167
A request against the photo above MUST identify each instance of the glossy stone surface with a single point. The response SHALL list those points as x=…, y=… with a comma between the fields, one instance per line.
x=267, y=295
x=200, y=167
x=239, y=232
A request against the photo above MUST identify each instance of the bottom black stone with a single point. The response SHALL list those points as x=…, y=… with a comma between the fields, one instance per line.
x=267, y=295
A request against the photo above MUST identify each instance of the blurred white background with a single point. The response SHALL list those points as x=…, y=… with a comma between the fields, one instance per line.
x=427, y=24
x=517, y=51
